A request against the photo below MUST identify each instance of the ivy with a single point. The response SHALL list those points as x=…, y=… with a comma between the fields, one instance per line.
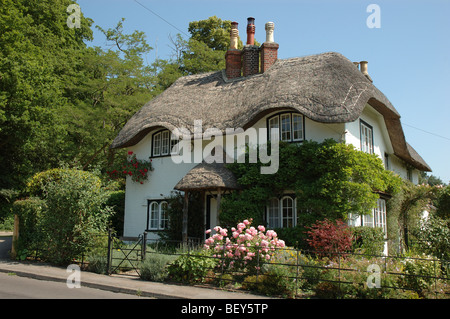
x=329, y=179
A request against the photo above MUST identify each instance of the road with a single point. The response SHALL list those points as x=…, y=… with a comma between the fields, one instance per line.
x=15, y=287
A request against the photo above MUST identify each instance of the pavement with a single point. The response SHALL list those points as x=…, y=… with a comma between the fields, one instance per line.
x=116, y=283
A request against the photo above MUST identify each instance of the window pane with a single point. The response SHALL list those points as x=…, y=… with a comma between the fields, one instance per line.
x=381, y=212
x=174, y=146
x=297, y=127
x=273, y=213
x=368, y=220
x=285, y=127
x=165, y=143
x=164, y=215
x=157, y=144
x=154, y=215
x=274, y=123
x=366, y=139
x=288, y=212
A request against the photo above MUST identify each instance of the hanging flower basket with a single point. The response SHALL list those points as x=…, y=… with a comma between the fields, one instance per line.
x=137, y=169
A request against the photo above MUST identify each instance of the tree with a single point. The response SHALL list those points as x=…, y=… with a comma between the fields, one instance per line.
x=38, y=57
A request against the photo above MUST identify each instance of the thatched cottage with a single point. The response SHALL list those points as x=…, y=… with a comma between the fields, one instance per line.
x=307, y=98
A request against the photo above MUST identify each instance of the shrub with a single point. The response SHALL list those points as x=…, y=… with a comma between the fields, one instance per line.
x=97, y=264
x=245, y=247
x=75, y=210
x=419, y=273
x=351, y=280
x=280, y=280
x=30, y=212
x=155, y=267
x=192, y=268
x=368, y=240
x=330, y=238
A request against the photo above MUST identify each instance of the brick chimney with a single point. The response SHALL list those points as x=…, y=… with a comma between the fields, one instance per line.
x=269, y=49
x=250, y=53
x=233, y=57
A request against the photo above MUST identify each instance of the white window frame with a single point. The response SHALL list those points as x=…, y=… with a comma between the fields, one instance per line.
x=297, y=120
x=286, y=127
x=157, y=215
x=290, y=126
x=366, y=137
x=378, y=216
x=282, y=213
x=164, y=143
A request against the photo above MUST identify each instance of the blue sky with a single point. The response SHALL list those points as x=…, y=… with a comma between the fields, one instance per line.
x=409, y=55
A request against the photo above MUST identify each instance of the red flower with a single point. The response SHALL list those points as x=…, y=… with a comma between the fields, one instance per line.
x=130, y=152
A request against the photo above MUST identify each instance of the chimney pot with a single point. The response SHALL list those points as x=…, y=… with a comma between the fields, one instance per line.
x=269, y=49
x=234, y=35
x=269, y=32
x=251, y=31
x=363, y=66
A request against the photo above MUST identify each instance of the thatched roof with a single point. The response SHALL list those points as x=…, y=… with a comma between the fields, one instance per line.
x=326, y=88
x=208, y=176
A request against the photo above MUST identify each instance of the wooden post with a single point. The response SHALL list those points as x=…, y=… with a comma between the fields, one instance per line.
x=219, y=198
x=15, y=237
x=184, y=234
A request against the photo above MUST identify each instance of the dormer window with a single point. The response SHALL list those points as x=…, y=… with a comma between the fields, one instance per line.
x=291, y=126
x=164, y=143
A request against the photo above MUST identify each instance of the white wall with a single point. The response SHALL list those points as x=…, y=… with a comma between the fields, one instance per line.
x=167, y=174
x=161, y=181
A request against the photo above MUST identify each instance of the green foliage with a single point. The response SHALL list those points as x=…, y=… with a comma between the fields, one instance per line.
x=175, y=214
x=155, y=266
x=443, y=203
x=329, y=179
x=433, y=237
x=419, y=272
x=137, y=169
x=192, y=267
x=38, y=54
x=368, y=240
x=337, y=283
x=116, y=200
x=30, y=212
x=405, y=212
x=65, y=219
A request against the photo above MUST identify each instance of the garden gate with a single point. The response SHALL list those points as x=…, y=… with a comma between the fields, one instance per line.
x=125, y=253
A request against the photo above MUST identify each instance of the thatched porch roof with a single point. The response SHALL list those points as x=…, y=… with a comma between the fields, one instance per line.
x=207, y=176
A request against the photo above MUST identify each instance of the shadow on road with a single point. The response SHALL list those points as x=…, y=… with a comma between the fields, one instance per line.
x=5, y=245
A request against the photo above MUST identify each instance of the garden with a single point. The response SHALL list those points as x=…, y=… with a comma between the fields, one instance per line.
x=253, y=259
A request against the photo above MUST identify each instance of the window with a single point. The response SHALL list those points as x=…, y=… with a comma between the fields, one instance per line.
x=378, y=216
x=366, y=137
x=290, y=126
x=297, y=127
x=164, y=143
x=157, y=215
x=386, y=161
x=281, y=212
x=273, y=213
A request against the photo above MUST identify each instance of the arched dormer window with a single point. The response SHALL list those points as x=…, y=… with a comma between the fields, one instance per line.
x=290, y=125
